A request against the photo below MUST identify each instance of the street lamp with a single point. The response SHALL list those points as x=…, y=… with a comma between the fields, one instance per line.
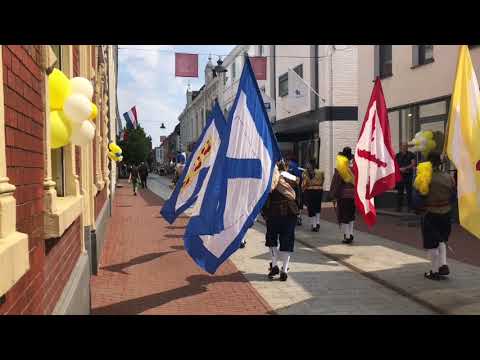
x=163, y=126
x=219, y=69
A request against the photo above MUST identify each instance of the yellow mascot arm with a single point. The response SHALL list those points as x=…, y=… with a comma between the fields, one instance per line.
x=342, y=165
x=423, y=178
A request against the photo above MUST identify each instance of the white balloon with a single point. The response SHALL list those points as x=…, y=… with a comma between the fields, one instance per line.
x=78, y=108
x=82, y=86
x=82, y=134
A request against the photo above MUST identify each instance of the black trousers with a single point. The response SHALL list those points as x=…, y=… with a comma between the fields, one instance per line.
x=144, y=181
x=405, y=185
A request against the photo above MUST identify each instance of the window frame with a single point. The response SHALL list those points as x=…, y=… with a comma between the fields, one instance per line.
x=281, y=80
x=299, y=70
x=381, y=62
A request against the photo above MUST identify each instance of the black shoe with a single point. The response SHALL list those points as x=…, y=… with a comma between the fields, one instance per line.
x=273, y=271
x=347, y=241
x=135, y=193
x=432, y=276
x=299, y=221
x=314, y=229
x=317, y=229
x=444, y=270
x=283, y=276
x=242, y=244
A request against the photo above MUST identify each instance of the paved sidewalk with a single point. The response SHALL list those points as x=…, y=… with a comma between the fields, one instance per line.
x=316, y=284
x=145, y=270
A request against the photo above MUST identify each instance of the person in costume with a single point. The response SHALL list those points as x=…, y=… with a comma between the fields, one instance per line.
x=435, y=191
x=342, y=191
x=280, y=213
x=296, y=170
x=312, y=186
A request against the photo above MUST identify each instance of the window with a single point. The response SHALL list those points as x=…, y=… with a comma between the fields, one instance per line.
x=421, y=55
x=234, y=70
x=299, y=70
x=385, y=60
x=283, y=85
x=57, y=155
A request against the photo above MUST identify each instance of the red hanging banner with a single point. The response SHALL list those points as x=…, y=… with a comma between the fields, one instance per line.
x=259, y=66
x=186, y=65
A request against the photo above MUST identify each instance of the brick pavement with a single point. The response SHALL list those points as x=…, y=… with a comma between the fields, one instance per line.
x=144, y=268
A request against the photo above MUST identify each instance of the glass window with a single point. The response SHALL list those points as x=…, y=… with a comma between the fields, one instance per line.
x=407, y=121
x=299, y=70
x=385, y=60
x=283, y=85
x=394, y=120
x=57, y=155
x=425, y=54
x=433, y=109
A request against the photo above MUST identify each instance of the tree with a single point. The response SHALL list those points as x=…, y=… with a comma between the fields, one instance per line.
x=137, y=147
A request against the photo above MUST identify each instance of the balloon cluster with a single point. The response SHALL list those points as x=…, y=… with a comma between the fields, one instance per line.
x=423, y=142
x=115, y=152
x=343, y=168
x=71, y=110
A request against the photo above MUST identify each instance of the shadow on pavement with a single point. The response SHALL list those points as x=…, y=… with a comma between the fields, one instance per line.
x=174, y=236
x=171, y=227
x=150, y=198
x=197, y=285
x=120, y=268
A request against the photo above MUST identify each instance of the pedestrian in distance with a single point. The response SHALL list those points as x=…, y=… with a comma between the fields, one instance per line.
x=433, y=196
x=143, y=172
x=280, y=213
x=134, y=178
x=312, y=186
x=406, y=160
x=342, y=191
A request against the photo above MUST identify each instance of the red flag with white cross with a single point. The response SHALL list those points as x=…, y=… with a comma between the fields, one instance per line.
x=375, y=167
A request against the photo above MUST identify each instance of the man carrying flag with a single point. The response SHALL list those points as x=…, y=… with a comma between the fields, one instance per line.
x=241, y=179
x=375, y=168
x=192, y=183
x=461, y=146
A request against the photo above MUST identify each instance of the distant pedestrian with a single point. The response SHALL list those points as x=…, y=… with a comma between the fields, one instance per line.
x=143, y=172
x=312, y=186
x=436, y=211
x=280, y=213
x=179, y=168
x=342, y=192
x=134, y=179
x=406, y=162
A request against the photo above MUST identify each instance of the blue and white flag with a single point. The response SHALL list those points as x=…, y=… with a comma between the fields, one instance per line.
x=191, y=186
x=241, y=179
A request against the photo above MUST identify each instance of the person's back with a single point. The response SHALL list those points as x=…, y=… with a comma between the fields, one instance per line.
x=143, y=171
x=134, y=171
x=442, y=188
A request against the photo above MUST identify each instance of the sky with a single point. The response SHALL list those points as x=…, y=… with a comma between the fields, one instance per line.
x=146, y=78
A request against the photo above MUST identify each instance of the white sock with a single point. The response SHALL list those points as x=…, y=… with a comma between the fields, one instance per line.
x=274, y=253
x=317, y=218
x=434, y=257
x=286, y=260
x=442, y=250
x=350, y=228
x=345, y=229
x=312, y=221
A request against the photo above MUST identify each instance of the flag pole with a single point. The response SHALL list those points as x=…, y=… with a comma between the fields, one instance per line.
x=316, y=93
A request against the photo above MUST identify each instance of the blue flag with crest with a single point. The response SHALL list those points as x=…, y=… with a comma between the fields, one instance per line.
x=240, y=182
x=191, y=185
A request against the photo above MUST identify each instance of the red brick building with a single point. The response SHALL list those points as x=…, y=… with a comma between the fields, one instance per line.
x=54, y=204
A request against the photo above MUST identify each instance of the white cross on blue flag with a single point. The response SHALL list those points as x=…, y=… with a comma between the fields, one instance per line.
x=192, y=184
x=240, y=182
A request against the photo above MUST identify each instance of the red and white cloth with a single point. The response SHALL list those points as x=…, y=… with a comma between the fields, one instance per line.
x=375, y=167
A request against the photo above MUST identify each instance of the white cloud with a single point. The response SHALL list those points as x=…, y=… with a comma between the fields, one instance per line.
x=147, y=80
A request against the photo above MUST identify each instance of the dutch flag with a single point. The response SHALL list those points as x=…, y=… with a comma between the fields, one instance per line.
x=131, y=118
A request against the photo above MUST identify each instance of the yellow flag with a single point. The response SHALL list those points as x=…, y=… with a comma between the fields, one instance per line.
x=463, y=141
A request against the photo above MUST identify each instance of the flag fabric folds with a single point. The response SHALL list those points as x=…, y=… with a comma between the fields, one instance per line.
x=186, y=65
x=461, y=146
x=298, y=92
x=190, y=188
x=375, y=167
x=241, y=179
x=131, y=118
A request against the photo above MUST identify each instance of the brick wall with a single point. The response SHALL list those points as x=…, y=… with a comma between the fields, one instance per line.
x=23, y=85
x=38, y=291
x=100, y=200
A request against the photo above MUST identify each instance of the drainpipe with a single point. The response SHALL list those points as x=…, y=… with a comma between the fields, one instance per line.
x=273, y=73
x=330, y=110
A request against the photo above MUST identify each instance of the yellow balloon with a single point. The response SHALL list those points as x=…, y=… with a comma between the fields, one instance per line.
x=60, y=130
x=114, y=148
x=59, y=89
x=111, y=156
x=94, y=112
